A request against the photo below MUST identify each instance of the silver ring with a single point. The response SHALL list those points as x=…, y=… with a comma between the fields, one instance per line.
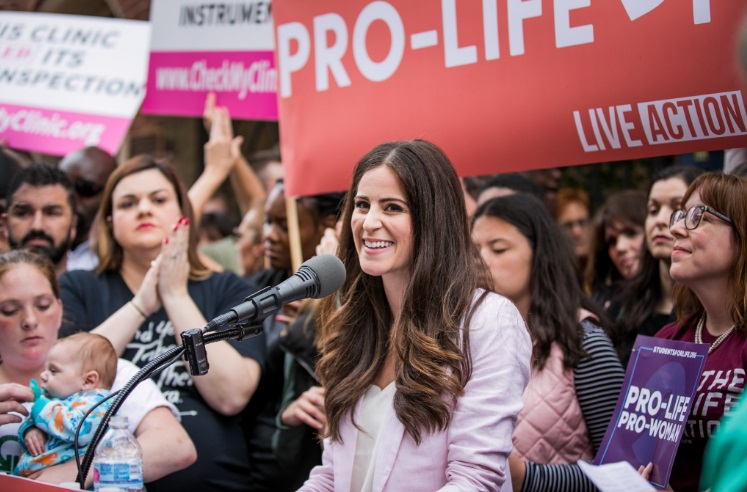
x=175, y=255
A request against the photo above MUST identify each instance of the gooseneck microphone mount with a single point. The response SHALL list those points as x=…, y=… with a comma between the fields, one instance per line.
x=316, y=278
x=197, y=339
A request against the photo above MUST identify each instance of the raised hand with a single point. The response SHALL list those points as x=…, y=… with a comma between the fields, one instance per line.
x=222, y=149
x=174, y=267
x=208, y=112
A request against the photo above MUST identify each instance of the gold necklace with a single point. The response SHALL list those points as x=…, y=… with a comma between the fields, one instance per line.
x=717, y=342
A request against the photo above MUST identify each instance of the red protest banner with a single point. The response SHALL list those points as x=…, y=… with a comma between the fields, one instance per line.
x=504, y=85
x=20, y=484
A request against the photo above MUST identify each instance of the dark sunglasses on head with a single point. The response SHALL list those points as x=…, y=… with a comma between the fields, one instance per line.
x=86, y=188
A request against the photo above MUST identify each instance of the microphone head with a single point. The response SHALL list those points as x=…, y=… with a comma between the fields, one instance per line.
x=329, y=270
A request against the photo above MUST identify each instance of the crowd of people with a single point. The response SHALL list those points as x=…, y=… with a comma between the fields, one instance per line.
x=478, y=342
x=475, y=348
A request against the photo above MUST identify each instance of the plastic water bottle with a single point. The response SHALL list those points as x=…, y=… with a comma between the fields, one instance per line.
x=118, y=462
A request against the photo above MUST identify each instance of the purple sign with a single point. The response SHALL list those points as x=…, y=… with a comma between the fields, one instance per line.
x=653, y=406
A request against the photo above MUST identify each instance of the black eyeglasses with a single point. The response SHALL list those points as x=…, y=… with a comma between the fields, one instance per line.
x=694, y=215
x=86, y=188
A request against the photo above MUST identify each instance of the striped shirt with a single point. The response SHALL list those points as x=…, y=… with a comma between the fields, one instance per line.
x=598, y=378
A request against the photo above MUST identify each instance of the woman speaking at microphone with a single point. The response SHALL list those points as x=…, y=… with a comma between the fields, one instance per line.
x=150, y=286
x=423, y=367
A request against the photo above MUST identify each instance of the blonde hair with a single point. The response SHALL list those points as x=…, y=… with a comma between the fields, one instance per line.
x=96, y=354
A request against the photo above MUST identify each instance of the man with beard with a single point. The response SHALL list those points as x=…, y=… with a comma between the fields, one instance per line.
x=88, y=168
x=40, y=213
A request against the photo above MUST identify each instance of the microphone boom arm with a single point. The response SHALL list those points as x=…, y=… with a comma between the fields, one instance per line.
x=239, y=332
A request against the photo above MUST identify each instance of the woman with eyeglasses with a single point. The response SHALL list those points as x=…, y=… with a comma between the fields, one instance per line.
x=645, y=301
x=709, y=264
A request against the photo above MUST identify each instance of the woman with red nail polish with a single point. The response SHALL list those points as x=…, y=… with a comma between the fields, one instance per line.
x=149, y=287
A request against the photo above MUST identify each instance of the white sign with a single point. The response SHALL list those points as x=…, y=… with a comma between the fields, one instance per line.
x=189, y=25
x=68, y=81
x=202, y=47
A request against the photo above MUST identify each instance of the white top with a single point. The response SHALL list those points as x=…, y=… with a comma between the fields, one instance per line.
x=374, y=407
x=145, y=397
x=82, y=258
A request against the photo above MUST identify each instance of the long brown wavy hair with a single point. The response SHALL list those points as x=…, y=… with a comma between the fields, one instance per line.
x=432, y=354
x=556, y=295
x=108, y=249
x=727, y=194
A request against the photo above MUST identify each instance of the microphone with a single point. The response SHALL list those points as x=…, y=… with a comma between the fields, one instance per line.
x=316, y=278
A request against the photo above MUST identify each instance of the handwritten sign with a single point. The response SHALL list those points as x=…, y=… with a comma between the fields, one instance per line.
x=504, y=85
x=201, y=47
x=69, y=81
x=654, y=405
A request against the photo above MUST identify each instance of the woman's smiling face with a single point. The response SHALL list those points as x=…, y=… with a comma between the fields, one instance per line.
x=382, y=225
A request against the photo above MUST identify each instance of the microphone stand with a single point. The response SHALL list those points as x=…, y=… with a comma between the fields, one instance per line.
x=193, y=345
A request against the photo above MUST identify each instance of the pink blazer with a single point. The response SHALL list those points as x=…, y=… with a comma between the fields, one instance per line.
x=471, y=454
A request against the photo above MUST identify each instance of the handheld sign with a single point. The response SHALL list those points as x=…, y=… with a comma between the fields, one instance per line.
x=654, y=405
x=201, y=47
x=69, y=81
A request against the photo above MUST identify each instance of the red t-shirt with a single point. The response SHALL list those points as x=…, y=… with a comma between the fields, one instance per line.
x=720, y=386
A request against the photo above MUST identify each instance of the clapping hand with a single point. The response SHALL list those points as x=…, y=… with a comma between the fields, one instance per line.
x=174, y=268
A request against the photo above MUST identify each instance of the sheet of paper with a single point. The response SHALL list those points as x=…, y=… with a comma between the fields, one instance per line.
x=616, y=477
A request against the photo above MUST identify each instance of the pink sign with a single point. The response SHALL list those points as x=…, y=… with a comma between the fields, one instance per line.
x=243, y=81
x=69, y=81
x=200, y=47
x=59, y=132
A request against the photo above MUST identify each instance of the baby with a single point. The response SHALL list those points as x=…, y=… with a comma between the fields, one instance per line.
x=79, y=372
